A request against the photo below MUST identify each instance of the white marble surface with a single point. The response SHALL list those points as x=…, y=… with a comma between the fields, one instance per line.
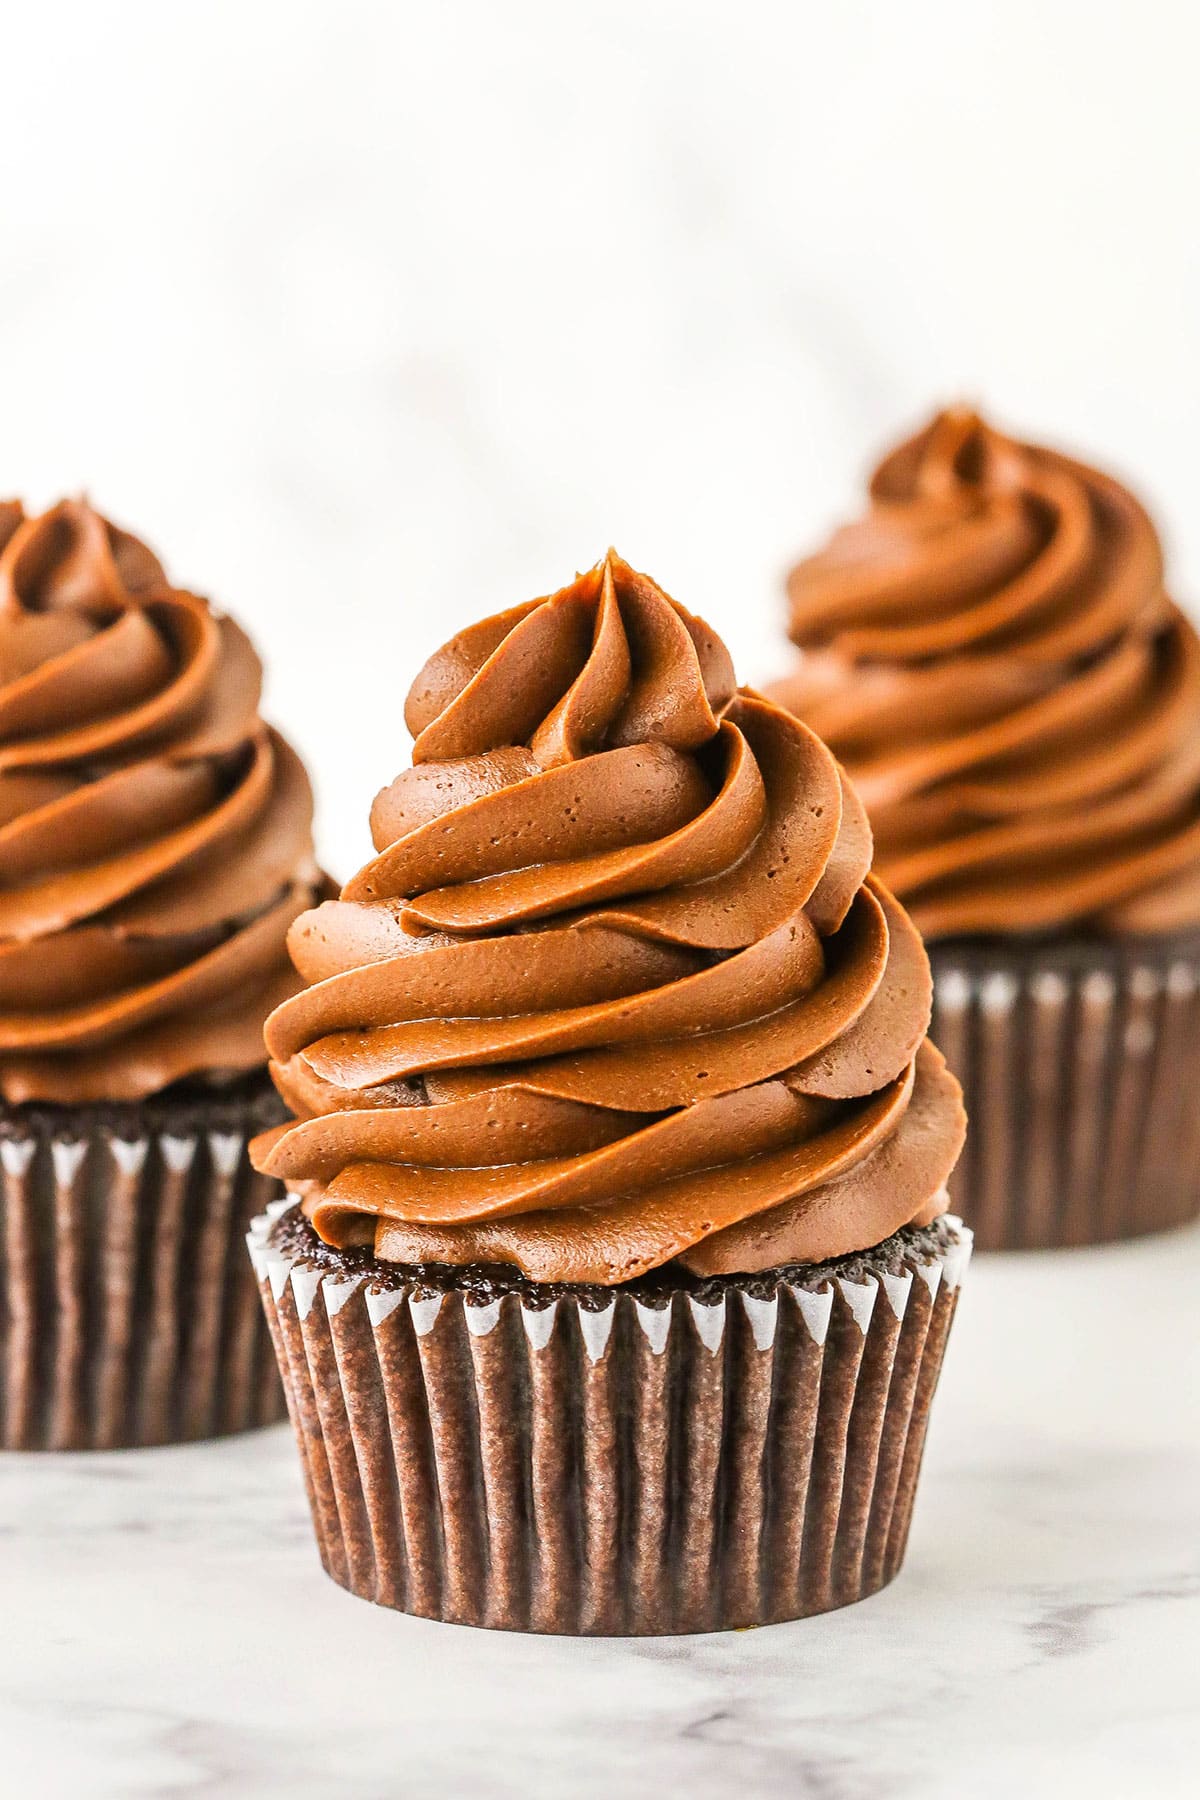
x=167, y=1630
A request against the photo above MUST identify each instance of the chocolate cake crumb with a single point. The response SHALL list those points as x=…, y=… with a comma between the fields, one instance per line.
x=482, y=1283
x=249, y=1101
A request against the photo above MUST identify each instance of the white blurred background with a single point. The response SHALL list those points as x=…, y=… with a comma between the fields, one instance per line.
x=374, y=318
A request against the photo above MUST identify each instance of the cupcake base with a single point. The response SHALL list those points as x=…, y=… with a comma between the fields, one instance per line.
x=127, y=1314
x=1079, y=1061
x=673, y=1456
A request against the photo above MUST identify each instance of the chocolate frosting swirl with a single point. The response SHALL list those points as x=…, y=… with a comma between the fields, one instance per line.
x=992, y=654
x=155, y=835
x=616, y=987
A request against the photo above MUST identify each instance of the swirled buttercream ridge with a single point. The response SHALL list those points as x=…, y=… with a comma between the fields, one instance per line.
x=155, y=835
x=617, y=987
x=991, y=652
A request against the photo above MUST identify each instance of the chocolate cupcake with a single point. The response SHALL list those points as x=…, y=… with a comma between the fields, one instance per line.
x=992, y=654
x=615, y=1285
x=155, y=846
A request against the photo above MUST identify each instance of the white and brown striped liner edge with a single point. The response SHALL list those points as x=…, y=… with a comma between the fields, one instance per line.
x=1080, y=1085
x=635, y=1469
x=127, y=1315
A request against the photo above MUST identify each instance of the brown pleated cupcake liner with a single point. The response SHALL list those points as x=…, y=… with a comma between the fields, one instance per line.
x=1080, y=1065
x=603, y=1464
x=127, y=1314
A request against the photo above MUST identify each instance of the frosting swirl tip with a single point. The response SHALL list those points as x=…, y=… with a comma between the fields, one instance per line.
x=991, y=651
x=155, y=834
x=616, y=987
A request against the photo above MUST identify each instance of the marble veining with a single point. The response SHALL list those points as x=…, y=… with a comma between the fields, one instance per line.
x=168, y=1631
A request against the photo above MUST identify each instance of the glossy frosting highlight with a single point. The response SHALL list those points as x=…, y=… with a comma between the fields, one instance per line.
x=991, y=653
x=617, y=987
x=155, y=835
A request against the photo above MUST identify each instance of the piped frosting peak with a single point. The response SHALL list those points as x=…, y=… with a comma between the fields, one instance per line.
x=617, y=986
x=991, y=653
x=155, y=835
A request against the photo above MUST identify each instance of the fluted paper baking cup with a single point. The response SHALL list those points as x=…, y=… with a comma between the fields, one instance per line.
x=127, y=1314
x=606, y=1465
x=1080, y=1065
